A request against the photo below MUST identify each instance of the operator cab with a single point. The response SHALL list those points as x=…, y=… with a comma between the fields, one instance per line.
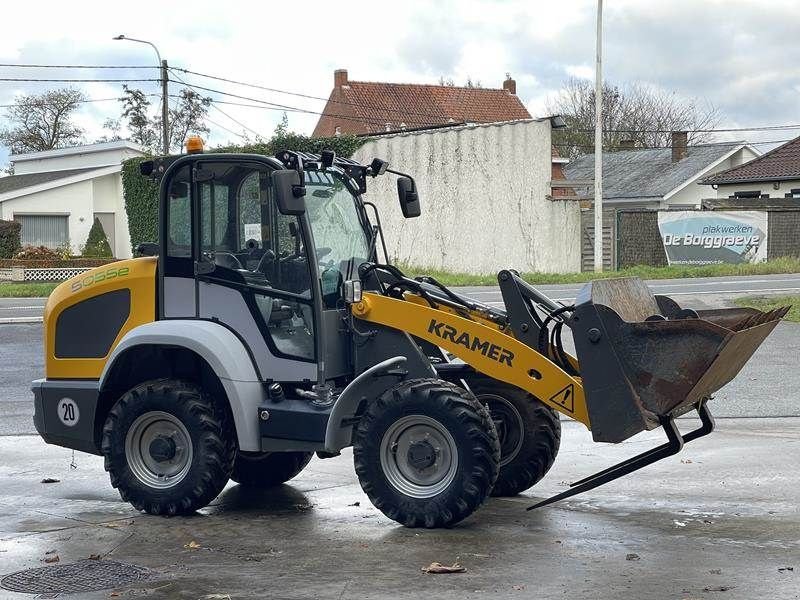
x=236, y=232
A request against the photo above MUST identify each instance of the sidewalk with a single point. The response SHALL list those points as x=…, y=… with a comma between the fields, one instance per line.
x=720, y=520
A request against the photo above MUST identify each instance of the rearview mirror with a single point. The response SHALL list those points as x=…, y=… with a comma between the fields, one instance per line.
x=289, y=192
x=409, y=200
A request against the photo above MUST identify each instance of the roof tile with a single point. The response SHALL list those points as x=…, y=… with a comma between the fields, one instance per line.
x=778, y=164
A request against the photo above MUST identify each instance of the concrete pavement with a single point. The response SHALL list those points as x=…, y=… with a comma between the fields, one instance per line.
x=718, y=521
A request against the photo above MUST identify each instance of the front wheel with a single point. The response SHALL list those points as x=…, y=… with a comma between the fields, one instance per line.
x=529, y=432
x=426, y=453
x=168, y=447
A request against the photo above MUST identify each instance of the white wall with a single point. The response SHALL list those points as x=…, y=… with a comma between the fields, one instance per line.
x=484, y=192
x=74, y=200
x=694, y=193
x=80, y=201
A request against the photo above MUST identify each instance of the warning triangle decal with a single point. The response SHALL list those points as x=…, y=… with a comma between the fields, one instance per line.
x=565, y=398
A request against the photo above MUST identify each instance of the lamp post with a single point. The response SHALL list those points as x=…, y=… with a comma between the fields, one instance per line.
x=598, y=144
x=164, y=90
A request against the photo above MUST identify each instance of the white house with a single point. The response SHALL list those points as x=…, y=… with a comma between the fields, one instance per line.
x=57, y=194
x=660, y=178
x=776, y=174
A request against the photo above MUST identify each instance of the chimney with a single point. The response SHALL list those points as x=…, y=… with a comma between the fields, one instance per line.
x=627, y=144
x=339, y=77
x=510, y=85
x=679, y=140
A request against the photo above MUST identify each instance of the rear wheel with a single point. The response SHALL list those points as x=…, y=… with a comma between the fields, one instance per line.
x=426, y=453
x=268, y=469
x=168, y=447
x=529, y=433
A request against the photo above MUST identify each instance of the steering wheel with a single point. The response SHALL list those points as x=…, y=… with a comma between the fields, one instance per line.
x=227, y=260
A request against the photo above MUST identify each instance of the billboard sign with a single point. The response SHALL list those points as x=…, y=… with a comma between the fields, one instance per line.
x=694, y=237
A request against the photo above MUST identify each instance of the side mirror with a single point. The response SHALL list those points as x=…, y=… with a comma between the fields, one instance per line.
x=289, y=191
x=409, y=200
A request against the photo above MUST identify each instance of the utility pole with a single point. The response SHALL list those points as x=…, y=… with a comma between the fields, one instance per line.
x=598, y=144
x=165, y=106
x=164, y=90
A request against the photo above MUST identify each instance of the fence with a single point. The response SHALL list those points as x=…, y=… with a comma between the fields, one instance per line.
x=38, y=270
x=638, y=241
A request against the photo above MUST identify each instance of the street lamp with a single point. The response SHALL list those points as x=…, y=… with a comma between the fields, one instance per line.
x=164, y=90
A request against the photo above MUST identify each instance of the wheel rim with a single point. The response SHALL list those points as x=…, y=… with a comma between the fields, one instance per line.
x=418, y=456
x=158, y=449
x=509, y=424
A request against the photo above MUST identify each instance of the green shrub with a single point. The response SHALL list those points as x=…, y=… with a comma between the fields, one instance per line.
x=10, y=234
x=97, y=243
x=37, y=253
x=141, y=193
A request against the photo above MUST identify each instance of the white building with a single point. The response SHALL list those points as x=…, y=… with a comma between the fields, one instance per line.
x=57, y=194
x=660, y=178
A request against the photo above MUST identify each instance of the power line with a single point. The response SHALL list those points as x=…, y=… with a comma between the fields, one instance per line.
x=401, y=111
x=704, y=145
x=31, y=79
x=79, y=66
x=281, y=106
x=254, y=132
x=244, y=137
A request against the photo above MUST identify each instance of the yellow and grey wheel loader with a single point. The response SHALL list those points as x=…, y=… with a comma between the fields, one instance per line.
x=263, y=328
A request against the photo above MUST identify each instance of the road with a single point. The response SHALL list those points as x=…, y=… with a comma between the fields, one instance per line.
x=703, y=291
x=767, y=387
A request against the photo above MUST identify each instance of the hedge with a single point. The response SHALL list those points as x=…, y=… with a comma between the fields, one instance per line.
x=73, y=263
x=10, y=238
x=141, y=193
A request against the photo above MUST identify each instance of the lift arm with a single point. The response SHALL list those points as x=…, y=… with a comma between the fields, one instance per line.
x=487, y=349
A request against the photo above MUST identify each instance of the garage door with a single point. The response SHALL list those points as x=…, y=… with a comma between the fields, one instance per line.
x=44, y=230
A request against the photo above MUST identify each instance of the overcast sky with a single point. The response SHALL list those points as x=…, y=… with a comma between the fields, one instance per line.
x=740, y=55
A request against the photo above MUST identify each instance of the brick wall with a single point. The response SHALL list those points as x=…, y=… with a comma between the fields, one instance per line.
x=638, y=239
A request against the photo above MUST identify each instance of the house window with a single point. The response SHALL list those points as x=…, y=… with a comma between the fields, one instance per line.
x=793, y=193
x=44, y=230
x=751, y=194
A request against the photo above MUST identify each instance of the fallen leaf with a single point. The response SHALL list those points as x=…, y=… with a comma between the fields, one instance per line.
x=94, y=557
x=632, y=556
x=718, y=588
x=192, y=545
x=716, y=571
x=50, y=480
x=51, y=559
x=785, y=569
x=355, y=504
x=686, y=461
x=518, y=588
x=436, y=568
x=50, y=552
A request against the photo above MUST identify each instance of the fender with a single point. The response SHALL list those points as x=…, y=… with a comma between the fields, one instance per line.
x=224, y=353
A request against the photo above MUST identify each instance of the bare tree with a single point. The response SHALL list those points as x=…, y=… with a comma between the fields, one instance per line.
x=186, y=117
x=43, y=121
x=641, y=114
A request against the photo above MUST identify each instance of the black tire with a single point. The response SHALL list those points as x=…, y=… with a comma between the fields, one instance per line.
x=461, y=427
x=529, y=432
x=207, y=461
x=268, y=469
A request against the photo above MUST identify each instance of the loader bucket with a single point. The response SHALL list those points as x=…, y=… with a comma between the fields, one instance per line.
x=644, y=359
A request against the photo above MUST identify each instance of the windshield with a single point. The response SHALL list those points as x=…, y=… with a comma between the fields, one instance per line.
x=339, y=233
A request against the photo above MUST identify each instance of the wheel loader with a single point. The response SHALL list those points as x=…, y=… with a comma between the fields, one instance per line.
x=263, y=327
